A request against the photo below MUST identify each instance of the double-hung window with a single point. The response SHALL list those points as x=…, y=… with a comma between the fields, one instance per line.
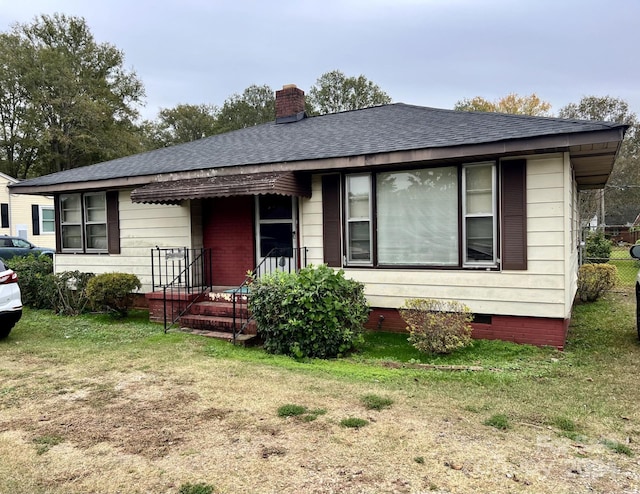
x=47, y=219
x=479, y=211
x=83, y=222
x=359, y=219
x=443, y=216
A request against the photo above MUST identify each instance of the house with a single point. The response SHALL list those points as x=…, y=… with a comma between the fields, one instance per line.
x=411, y=201
x=27, y=216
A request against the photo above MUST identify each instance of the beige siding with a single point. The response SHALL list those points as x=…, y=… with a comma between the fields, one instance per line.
x=541, y=291
x=20, y=214
x=311, y=223
x=142, y=228
x=573, y=234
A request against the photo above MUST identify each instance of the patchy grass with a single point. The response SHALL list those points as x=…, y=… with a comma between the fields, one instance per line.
x=375, y=402
x=498, y=421
x=353, y=422
x=92, y=404
x=618, y=447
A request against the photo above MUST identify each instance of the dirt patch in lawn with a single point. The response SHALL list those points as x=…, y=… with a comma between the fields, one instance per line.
x=153, y=431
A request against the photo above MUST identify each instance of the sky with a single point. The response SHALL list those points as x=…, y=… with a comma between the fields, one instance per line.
x=423, y=52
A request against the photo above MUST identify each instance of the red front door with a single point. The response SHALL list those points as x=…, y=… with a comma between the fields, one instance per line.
x=228, y=226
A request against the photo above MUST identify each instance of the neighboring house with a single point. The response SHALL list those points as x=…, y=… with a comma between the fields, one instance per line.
x=27, y=216
x=411, y=201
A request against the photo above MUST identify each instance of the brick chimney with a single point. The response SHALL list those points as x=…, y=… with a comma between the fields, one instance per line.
x=289, y=104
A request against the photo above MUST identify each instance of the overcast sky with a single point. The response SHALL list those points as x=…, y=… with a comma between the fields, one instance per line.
x=423, y=52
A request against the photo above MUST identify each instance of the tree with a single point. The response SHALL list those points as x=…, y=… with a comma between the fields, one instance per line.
x=622, y=192
x=19, y=132
x=66, y=101
x=183, y=123
x=511, y=103
x=256, y=105
x=334, y=92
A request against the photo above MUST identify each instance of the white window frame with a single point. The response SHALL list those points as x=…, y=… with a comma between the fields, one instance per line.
x=84, y=223
x=358, y=219
x=88, y=223
x=462, y=216
x=492, y=214
x=43, y=222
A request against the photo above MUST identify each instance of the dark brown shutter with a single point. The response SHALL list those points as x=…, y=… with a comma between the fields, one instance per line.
x=331, y=222
x=35, y=219
x=113, y=222
x=514, y=214
x=4, y=213
x=56, y=210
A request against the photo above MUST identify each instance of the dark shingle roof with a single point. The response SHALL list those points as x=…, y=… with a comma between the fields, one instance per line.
x=374, y=130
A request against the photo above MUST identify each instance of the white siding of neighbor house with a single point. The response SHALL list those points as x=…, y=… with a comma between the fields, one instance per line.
x=545, y=289
x=20, y=214
x=142, y=228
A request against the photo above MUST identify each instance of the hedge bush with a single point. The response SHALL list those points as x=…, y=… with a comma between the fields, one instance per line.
x=437, y=326
x=316, y=313
x=595, y=279
x=112, y=292
x=35, y=276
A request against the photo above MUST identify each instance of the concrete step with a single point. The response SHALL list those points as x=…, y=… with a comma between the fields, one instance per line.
x=241, y=339
x=222, y=309
x=214, y=323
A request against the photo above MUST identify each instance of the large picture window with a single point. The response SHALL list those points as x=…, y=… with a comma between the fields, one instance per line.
x=445, y=216
x=418, y=217
x=83, y=222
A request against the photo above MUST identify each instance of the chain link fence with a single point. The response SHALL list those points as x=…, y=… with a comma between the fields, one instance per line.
x=620, y=258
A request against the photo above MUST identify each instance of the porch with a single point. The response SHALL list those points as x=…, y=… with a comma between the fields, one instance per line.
x=185, y=298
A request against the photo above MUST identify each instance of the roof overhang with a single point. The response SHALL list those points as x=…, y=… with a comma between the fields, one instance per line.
x=592, y=155
x=173, y=192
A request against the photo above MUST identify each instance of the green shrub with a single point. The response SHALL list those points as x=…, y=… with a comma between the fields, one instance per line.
x=70, y=292
x=316, y=313
x=437, y=326
x=597, y=248
x=36, y=280
x=595, y=279
x=113, y=292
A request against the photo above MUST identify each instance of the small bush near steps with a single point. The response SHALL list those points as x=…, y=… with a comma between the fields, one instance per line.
x=437, y=326
x=113, y=292
x=316, y=313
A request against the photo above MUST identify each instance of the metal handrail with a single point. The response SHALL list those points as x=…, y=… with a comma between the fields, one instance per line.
x=182, y=277
x=266, y=266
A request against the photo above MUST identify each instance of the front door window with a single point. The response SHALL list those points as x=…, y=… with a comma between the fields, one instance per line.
x=276, y=230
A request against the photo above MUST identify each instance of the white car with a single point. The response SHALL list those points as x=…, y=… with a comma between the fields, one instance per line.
x=10, y=301
x=635, y=253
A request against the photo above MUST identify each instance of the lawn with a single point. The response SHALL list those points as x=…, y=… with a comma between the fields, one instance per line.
x=89, y=404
